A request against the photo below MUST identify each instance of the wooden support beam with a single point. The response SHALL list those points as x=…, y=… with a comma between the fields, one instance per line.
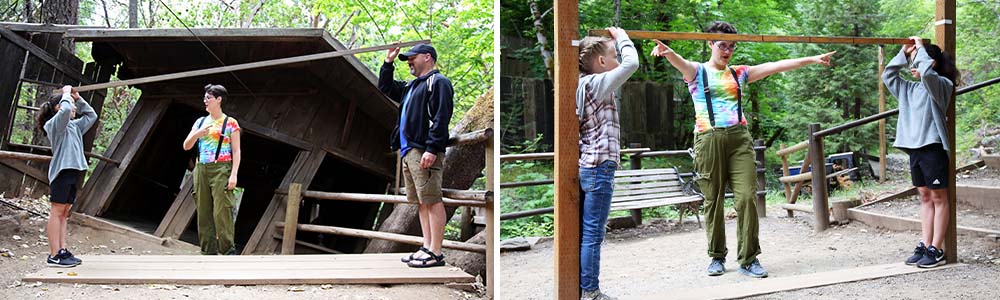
x=699, y=36
x=247, y=66
x=881, y=108
x=395, y=237
x=944, y=34
x=291, y=217
x=567, y=132
x=785, y=173
x=491, y=221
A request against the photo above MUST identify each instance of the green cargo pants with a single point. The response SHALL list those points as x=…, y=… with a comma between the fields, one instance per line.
x=215, y=208
x=725, y=155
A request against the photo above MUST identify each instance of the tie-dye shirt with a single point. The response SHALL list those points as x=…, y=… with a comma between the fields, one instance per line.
x=724, y=91
x=210, y=142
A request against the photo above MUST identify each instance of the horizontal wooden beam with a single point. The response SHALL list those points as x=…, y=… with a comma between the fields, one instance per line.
x=181, y=34
x=38, y=27
x=527, y=213
x=395, y=237
x=793, y=148
x=461, y=194
x=246, y=66
x=49, y=149
x=549, y=155
x=395, y=199
x=504, y=185
x=699, y=36
x=805, y=176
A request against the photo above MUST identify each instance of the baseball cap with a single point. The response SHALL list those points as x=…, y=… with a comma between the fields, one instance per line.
x=420, y=49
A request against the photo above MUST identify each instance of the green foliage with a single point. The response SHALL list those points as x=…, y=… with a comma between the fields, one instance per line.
x=526, y=198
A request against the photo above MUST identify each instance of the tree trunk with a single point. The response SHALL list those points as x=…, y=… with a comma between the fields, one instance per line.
x=253, y=13
x=28, y=12
x=61, y=12
x=540, y=34
x=462, y=165
x=133, y=14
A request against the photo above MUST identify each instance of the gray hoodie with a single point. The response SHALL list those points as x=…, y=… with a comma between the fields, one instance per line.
x=921, y=104
x=66, y=136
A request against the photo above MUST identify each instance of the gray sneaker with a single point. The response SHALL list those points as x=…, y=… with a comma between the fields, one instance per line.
x=753, y=270
x=595, y=295
x=717, y=267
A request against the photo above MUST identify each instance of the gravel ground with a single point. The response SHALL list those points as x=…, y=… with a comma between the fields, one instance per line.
x=662, y=257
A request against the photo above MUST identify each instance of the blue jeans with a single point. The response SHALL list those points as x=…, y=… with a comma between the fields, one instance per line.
x=596, y=185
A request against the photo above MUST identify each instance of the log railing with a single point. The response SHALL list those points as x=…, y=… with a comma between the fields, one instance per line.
x=464, y=198
x=821, y=208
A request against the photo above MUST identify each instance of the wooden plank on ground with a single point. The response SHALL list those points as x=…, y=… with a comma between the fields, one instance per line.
x=781, y=284
x=247, y=270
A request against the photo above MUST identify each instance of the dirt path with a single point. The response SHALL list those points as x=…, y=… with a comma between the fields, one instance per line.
x=662, y=258
x=29, y=252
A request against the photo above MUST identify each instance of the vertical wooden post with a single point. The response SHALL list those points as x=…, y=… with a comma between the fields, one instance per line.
x=490, y=221
x=788, y=186
x=636, y=164
x=881, y=108
x=944, y=36
x=759, y=157
x=820, y=208
x=291, y=219
x=566, y=173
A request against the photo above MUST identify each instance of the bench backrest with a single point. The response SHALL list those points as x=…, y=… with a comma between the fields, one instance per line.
x=646, y=184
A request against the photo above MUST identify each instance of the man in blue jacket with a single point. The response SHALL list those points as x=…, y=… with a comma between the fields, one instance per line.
x=421, y=136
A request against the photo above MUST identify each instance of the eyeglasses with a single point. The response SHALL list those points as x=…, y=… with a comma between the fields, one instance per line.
x=731, y=47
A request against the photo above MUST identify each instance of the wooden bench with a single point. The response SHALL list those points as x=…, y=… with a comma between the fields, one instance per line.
x=645, y=188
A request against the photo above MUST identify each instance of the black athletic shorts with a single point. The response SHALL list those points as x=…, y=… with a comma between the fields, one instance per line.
x=63, y=188
x=929, y=166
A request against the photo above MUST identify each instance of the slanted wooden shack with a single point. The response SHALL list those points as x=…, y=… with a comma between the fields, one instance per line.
x=323, y=124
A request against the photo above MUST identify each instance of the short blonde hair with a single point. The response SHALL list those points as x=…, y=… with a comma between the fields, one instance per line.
x=591, y=47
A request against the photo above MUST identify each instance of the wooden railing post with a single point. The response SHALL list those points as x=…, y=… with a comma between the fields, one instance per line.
x=490, y=220
x=636, y=164
x=291, y=218
x=820, y=210
x=788, y=186
x=759, y=157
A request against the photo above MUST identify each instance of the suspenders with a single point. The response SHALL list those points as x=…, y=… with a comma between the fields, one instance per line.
x=225, y=123
x=708, y=96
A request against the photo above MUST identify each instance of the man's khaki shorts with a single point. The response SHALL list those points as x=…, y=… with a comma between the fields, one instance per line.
x=422, y=185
